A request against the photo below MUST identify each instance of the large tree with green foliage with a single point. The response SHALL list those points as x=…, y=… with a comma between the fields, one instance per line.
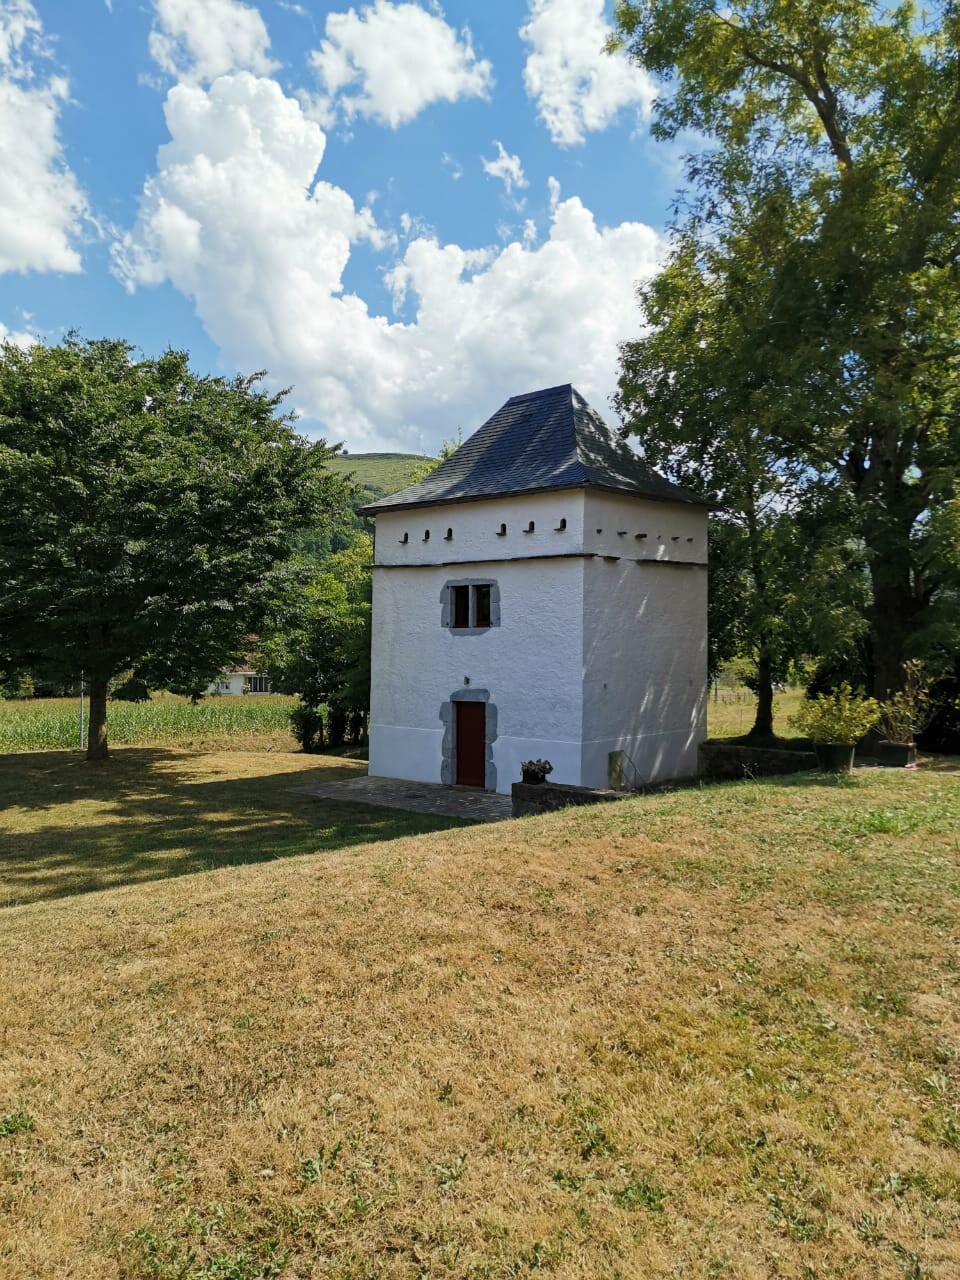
x=147, y=514
x=829, y=182
x=697, y=391
x=320, y=648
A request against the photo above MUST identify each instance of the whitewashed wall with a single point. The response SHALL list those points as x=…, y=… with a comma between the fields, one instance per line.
x=227, y=684
x=615, y=524
x=475, y=527
x=645, y=638
x=531, y=663
x=592, y=655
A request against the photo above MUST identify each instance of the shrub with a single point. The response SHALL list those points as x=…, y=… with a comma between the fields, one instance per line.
x=131, y=690
x=907, y=712
x=307, y=725
x=942, y=733
x=841, y=717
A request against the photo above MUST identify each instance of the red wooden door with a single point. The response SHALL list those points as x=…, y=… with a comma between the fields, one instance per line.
x=471, y=744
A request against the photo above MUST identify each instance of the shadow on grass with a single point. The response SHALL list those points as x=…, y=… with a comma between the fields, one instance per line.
x=67, y=827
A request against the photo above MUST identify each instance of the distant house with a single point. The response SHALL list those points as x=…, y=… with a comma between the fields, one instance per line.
x=241, y=680
x=543, y=593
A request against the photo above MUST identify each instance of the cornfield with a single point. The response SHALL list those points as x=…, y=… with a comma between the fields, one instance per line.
x=49, y=724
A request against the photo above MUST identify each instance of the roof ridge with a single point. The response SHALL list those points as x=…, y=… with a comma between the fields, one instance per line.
x=544, y=391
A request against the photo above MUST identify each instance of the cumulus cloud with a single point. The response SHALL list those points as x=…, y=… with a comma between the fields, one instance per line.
x=578, y=88
x=41, y=204
x=16, y=339
x=202, y=39
x=506, y=167
x=19, y=23
x=390, y=61
x=236, y=219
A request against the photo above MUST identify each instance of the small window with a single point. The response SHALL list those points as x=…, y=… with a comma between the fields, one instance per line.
x=448, y=537
x=460, y=600
x=482, y=606
x=502, y=531
x=426, y=535
x=530, y=527
x=405, y=538
x=561, y=526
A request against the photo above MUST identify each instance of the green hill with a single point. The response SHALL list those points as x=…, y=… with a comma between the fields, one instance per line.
x=379, y=473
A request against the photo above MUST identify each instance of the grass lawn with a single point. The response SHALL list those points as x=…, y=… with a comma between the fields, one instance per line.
x=68, y=827
x=732, y=713
x=704, y=1034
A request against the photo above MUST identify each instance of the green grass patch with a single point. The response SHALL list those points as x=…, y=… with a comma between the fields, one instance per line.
x=51, y=724
x=379, y=473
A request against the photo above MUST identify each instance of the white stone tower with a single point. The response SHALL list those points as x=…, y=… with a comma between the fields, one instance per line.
x=542, y=594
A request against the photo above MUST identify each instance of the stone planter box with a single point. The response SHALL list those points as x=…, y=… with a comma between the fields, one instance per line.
x=547, y=797
x=896, y=755
x=726, y=761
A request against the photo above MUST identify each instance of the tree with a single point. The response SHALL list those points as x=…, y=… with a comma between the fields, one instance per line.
x=842, y=119
x=146, y=514
x=322, y=649
x=697, y=391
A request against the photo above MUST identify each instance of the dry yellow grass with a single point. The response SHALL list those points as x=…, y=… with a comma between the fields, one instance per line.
x=68, y=827
x=713, y=1033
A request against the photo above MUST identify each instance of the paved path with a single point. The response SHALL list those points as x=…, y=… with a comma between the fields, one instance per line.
x=417, y=797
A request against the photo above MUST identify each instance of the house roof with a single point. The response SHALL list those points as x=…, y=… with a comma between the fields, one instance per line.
x=537, y=442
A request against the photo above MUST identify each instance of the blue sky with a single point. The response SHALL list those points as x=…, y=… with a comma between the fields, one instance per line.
x=404, y=211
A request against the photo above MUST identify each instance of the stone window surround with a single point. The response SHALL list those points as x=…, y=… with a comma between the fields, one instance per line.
x=446, y=605
x=448, y=718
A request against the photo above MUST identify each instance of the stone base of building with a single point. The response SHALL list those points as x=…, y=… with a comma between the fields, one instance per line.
x=722, y=761
x=547, y=797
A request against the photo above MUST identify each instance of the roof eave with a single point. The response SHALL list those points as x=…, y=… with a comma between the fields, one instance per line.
x=689, y=499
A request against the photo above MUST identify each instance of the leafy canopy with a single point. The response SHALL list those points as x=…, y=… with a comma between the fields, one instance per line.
x=147, y=514
x=822, y=209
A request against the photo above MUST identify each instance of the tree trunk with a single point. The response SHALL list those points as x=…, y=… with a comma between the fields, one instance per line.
x=97, y=730
x=763, y=721
x=891, y=621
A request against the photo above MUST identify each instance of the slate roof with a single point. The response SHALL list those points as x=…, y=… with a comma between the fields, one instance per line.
x=543, y=440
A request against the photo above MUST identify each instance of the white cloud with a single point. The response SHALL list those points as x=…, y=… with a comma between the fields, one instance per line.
x=452, y=166
x=390, y=61
x=19, y=24
x=41, y=204
x=577, y=87
x=235, y=219
x=202, y=39
x=17, y=339
x=505, y=167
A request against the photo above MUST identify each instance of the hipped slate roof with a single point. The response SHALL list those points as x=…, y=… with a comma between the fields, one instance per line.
x=536, y=442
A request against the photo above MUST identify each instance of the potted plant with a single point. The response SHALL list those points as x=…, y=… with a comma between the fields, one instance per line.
x=834, y=723
x=903, y=716
x=535, y=771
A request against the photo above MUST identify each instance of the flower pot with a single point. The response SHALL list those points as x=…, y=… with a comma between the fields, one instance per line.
x=897, y=755
x=535, y=776
x=834, y=757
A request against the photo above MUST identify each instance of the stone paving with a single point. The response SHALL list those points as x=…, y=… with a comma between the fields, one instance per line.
x=416, y=797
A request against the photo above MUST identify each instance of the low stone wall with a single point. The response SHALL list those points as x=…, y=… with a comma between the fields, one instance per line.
x=546, y=797
x=720, y=761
